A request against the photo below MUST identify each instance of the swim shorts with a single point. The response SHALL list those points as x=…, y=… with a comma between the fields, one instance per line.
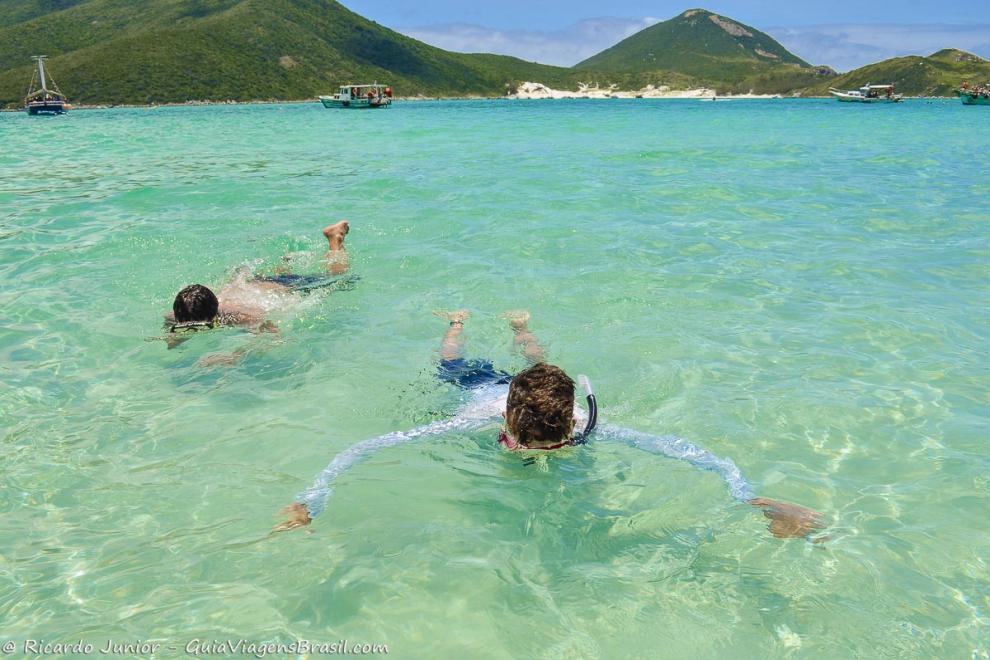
x=310, y=282
x=471, y=373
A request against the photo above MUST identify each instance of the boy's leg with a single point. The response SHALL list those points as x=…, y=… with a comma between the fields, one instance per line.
x=452, y=345
x=454, y=369
x=337, y=261
x=531, y=349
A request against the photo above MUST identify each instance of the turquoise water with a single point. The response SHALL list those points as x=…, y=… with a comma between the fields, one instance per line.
x=800, y=286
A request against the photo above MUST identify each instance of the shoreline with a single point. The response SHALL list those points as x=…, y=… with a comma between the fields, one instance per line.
x=694, y=94
x=535, y=90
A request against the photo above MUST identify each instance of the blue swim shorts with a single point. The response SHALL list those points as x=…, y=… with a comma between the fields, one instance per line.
x=310, y=282
x=471, y=373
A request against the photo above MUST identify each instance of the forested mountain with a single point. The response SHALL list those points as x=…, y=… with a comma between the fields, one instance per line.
x=140, y=51
x=152, y=51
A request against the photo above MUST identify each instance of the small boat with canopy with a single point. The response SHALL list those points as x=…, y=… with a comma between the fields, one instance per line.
x=44, y=97
x=974, y=94
x=868, y=94
x=359, y=97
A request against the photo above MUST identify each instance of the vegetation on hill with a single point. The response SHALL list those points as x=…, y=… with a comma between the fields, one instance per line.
x=695, y=42
x=18, y=11
x=143, y=51
x=154, y=51
x=709, y=49
x=936, y=75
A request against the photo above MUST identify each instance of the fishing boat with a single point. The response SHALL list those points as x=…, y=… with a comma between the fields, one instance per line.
x=867, y=94
x=42, y=99
x=974, y=95
x=359, y=96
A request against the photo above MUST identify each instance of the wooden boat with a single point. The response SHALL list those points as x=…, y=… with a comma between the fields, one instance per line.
x=867, y=94
x=42, y=99
x=359, y=97
x=974, y=95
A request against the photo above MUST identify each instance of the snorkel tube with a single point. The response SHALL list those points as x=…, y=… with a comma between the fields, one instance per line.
x=582, y=437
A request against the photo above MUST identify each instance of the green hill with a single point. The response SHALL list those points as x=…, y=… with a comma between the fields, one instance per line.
x=709, y=49
x=140, y=51
x=936, y=75
x=145, y=51
x=18, y=11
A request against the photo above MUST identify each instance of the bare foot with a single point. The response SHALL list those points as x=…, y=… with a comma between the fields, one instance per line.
x=517, y=318
x=298, y=517
x=789, y=521
x=456, y=316
x=335, y=234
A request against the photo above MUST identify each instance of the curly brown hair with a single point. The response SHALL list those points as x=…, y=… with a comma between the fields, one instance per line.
x=540, y=407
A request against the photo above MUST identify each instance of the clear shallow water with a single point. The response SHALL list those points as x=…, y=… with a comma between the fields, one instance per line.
x=799, y=286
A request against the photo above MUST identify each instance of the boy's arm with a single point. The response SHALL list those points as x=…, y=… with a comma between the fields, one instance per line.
x=786, y=520
x=675, y=447
x=312, y=501
x=230, y=359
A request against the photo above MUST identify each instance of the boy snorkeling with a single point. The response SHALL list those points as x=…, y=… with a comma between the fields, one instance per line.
x=539, y=413
x=244, y=301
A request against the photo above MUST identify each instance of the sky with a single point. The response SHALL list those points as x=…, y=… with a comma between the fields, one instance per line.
x=844, y=34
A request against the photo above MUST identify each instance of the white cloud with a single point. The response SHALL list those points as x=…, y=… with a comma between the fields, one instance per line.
x=847, y=47
x=842, y=46
x=561, y=47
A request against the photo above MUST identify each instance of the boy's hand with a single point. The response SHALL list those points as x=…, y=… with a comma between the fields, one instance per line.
x=223, y=359
x=789, y=521
x=172, y=340
x=220, y=359
x=298, y=517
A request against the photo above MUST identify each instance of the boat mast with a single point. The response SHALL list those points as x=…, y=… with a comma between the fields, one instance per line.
x=41, y=71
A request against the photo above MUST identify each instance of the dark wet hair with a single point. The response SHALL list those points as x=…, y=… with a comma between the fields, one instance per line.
x=540, y=407
x=195, y=303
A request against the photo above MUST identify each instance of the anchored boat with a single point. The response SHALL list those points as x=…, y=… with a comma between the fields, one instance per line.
x=979, y=95
x=867, y=94
x=42, y=99
x=359, y=96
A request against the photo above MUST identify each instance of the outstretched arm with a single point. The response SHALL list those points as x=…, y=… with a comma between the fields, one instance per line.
x=312, y=501
x=786, y=520
x=675, y=447
x=238, y=354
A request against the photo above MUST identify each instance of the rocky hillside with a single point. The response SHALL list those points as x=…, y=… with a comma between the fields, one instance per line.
x=710, y=49
x=153, y=51
x=936, y=75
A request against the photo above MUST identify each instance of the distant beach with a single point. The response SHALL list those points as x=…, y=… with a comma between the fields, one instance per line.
x=525, y=92
x=534, y=90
